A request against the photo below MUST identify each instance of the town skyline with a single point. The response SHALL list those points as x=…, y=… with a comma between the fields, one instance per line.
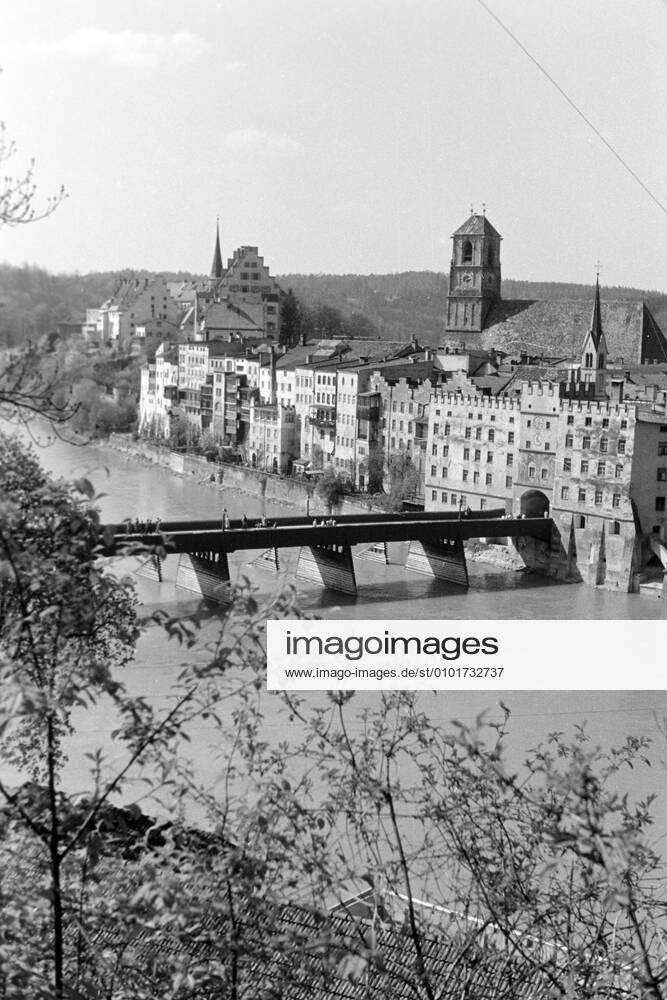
x=349, y=141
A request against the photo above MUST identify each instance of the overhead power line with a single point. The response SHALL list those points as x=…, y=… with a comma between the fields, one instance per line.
x=574, y=106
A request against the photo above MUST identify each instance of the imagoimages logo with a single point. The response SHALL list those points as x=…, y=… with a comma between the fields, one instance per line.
x=354, y=647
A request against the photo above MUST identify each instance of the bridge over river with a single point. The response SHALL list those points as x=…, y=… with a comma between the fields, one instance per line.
x=436, y=544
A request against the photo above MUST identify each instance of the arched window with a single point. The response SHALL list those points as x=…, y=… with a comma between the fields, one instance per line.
x=588, y=360
x=582, y=521
x=489, y=255
x=466, y=253
x=601, y=361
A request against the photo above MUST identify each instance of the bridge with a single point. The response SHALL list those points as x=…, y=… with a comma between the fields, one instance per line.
x=436, y=543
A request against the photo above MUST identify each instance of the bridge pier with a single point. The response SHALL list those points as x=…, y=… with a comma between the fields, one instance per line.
x=205, y=574
x=445, y=559
x=330, y=565
x=151, y=569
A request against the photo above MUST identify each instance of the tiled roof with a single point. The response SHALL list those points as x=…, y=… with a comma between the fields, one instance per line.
x=476, y=225
x=225, y=316
x=558, y=326
x=305, y=955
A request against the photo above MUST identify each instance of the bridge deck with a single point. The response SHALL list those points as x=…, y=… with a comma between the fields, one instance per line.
x=351, y=529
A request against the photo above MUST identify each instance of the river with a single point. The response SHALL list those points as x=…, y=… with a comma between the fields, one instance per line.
x=133, y=489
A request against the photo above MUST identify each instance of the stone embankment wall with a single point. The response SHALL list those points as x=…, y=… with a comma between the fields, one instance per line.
x=225, y=476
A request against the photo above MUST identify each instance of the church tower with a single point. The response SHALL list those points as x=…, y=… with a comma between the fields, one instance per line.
x=594, y=350
x=474, y=275
x=216, y=266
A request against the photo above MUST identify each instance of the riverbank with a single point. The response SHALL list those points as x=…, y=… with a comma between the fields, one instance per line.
x=220, y=476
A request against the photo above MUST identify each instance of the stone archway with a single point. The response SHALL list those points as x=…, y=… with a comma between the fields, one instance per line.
x=534, y=503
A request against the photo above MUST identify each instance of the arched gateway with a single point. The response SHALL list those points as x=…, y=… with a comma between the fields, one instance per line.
x=534, y=503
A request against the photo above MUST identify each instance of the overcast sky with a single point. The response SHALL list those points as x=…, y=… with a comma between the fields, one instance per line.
x=339, y=135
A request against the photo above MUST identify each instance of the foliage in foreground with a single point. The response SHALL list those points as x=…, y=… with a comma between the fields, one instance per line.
x=546, y=880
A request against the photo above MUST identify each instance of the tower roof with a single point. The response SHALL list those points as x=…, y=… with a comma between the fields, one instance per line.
x=216, y=266
x=477, y=225
x=596, y=318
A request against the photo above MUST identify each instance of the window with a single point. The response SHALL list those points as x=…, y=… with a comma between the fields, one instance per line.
x=624, y=424
x=475, y=477
x=586, y=441
x=547, y=445
x=570, y=419
x=470, y=416
x=544, y=473
x=447, y=429
x=564, y=492
x=402, y=407
x=434, y=449
x=489, y=456
x=482, y=504
x=615, y=527
x=584, y=467
x=508, y=482
x=510, y=459
x=468, y=433
x=434, y=495
x=478, y=434
x=588, y=421
x=662, y=475
x=529, y=423
x=569, y=440
x=616, y=500
x=443, y=474
x=528, y=444
x=434, y=470
x=491, y=434
x=478, y=455
x=601, y=468
x=466, y=454
x=453, y=498
x=510, y=437
x=465, y=475
x=445, y=450
x=618, y=472
x=567, y=465
x=605, y=422
x=660, y=503
x=582, y=521
x=443, y=497
x=604, y=445
x=581, y=496
x=598, y=496
x=662, y=447
x=489, y=479
x=466, y=252
x=531, y=471
x=621, y=447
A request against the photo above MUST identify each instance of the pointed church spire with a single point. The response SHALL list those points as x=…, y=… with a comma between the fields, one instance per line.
x=596, y=318
x=216, y=266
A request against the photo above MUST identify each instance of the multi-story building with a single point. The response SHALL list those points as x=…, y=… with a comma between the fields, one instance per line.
x=136, y=302
x=271, y=440
x=158, y=382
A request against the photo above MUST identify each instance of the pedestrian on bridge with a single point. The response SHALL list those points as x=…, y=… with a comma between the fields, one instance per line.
x=225, y=519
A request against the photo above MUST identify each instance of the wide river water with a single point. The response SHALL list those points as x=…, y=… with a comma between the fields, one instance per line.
x=133, y=489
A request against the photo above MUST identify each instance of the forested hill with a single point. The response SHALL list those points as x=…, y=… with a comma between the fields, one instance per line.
x=414, y=302
x=33, y=301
